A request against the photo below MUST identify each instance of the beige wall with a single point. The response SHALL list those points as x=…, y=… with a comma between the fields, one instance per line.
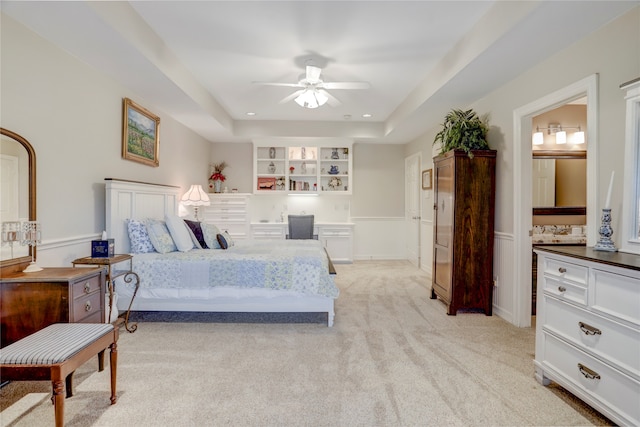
x=72, y=115
x=593, y=54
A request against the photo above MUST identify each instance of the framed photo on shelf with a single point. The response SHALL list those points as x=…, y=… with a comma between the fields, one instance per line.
x=140, y=134
x=427, y=179
x=266, y=183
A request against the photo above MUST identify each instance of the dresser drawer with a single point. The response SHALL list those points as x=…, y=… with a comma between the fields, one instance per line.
x=566, y=290
x=617, y=295
x=609, y=340
x=233, y=228
x=86, y=286
x=226, y=219
x=226, y=210
x=86, y=306
x=562, y=270
x=610, y=387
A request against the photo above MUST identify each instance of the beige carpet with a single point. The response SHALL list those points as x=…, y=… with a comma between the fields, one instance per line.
x=393, y=358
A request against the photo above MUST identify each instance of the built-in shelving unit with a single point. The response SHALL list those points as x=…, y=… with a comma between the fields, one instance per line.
x=302, y=168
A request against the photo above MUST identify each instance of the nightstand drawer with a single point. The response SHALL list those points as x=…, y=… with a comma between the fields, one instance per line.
x=593, y=378
x=87, y=306
x=86, y=286
x=609, y=340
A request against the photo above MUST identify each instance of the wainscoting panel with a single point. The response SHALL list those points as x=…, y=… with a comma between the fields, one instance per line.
x=379, y=238
x=503, y=274
x=60, y=252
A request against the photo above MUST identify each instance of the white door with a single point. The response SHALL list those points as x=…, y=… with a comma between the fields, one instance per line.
x=544, y=178
x=412, y=207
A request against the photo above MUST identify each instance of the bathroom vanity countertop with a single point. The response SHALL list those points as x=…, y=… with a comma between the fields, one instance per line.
x=559, y=239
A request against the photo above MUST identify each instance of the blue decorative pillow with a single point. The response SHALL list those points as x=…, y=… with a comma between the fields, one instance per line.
x=225, y=240
x=196, y=232
x=210, y=234
x=138, y=237
x=160, y=236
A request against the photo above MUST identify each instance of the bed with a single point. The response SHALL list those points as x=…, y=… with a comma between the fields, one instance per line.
x=250, y=276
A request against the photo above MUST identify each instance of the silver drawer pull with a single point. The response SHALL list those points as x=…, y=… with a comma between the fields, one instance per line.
x=87, y=288
x=562, y=270
x=562, y=289
x=87, y=306
x=588, y=373
x=588, y=329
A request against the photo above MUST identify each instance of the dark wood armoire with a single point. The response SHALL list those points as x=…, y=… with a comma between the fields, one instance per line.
x=464, y=209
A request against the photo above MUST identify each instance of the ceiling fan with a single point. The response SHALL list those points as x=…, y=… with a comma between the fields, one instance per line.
x=313, y=90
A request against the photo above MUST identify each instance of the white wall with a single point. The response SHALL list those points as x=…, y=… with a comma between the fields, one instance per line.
x=72, y=115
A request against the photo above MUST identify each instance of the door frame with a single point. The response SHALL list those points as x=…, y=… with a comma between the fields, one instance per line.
x=522, y=206
x=416, y=192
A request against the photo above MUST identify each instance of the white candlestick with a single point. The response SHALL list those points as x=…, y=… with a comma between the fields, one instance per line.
x=607, y=203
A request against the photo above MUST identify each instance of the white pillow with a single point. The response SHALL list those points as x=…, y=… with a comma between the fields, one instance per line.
x=179, y=233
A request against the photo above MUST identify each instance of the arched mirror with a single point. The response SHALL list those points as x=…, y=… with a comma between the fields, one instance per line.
x=17, y=195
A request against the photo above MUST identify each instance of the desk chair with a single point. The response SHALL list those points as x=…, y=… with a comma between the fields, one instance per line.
x=300, y=227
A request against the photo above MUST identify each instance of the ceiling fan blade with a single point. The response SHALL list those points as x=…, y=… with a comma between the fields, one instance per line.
x=331, y=100
x=290, y=97
x=346, y=85
x=278, y=84
x=313, y=74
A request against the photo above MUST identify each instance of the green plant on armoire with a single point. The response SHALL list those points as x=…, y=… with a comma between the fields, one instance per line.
x=463, y=130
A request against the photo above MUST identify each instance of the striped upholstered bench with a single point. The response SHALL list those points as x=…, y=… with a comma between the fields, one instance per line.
x=55, y=352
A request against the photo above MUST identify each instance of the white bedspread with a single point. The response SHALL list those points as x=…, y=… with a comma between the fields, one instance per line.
x=292, y=266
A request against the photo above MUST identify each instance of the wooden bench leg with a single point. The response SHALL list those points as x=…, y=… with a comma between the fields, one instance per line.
x=113, y=359
x=101, y=361
x=58, y=401
x=69, y=382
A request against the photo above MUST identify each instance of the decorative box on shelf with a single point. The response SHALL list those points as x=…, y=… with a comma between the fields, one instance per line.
x=102, y=248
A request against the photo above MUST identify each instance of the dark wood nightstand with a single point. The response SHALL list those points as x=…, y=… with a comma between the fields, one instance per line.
x=111, y=275
x=32, y=301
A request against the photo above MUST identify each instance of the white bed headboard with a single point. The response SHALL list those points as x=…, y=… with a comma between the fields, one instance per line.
x=136, y=200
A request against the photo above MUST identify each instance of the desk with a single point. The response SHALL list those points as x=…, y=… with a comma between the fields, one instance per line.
x=112, y=274
x=336, y=237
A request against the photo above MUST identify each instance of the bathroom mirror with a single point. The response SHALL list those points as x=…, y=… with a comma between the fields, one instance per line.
x=18, y=192
x=559, y=182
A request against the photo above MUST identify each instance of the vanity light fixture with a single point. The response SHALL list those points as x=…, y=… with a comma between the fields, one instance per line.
x=195, y=197
x=560, y=134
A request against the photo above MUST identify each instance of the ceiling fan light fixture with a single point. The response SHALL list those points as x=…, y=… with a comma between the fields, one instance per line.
x=311, y=98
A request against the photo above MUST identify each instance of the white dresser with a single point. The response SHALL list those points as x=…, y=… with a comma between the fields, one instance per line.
x=588, y=327
x=229, y=212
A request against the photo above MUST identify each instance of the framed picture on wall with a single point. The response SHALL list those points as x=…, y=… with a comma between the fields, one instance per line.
x=427, y=179
x=140, y=134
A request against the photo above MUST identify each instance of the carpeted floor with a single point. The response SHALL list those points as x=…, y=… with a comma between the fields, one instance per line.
x=393, y=358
